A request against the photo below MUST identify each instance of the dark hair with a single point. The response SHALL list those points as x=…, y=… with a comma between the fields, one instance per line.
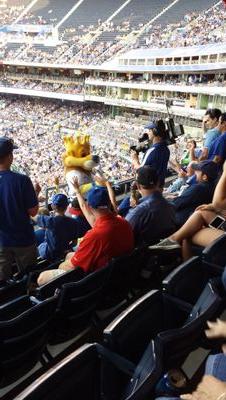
x=161, y=129
x=223, y=117
x=214, y=113
x=147, y=177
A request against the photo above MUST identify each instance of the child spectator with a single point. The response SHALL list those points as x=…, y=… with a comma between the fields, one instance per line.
x=59, y=230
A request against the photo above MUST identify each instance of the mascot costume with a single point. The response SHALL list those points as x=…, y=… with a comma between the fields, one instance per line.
x=79, y=162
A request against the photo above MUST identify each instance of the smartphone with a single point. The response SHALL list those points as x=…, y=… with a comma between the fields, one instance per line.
x=217, y=222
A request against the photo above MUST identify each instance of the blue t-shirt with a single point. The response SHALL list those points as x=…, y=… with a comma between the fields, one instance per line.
x=192, y=197
x=218, y=148
x=158, y=156
x=60, y=231
x=211, y=136
x=17, y=196
x=152, y=219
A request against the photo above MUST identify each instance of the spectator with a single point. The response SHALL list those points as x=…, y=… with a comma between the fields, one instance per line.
x=18, y=203
x=157, y=156
x=196, y=229
x=153, y=217
x=110, y=236
x=58, y=230
x=217, y=151
x=201, y=192
x=210, y=127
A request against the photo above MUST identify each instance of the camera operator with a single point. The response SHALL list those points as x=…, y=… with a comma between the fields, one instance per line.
x=157, y=154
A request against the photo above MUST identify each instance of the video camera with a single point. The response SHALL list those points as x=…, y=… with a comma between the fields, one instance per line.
x=167, y=130
x=143, y=147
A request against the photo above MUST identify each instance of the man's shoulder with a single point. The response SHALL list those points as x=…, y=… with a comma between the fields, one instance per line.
x=19, y=177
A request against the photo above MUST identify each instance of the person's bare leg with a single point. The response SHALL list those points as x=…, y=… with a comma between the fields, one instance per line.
x=206, y=236
x=202, y=238
x=195, y=223
x=186, y=249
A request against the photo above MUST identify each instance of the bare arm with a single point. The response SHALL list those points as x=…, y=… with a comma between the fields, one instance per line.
x=219, y=197
x=83, y=205
x=135, y=160
x=204, y=154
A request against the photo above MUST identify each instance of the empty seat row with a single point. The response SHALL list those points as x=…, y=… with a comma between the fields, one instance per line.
x=74, y=303
x=153, y=335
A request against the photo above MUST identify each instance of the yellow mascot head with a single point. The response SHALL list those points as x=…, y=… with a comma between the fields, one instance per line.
x=78, y=153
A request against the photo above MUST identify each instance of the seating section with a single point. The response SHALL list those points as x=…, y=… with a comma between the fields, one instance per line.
x=156, y=332
x=99, y=374
x=175, y=325
x=95, y=32
x=176, y=14
x=25, y=326
x=51, y=11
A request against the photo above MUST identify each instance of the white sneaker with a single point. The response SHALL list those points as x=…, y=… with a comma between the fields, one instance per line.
x=166, y=244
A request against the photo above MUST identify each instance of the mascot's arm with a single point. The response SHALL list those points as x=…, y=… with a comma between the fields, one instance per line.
x=71, y=161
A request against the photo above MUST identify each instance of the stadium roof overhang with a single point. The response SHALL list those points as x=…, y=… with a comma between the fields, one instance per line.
x=172, y=69
x=189, y=51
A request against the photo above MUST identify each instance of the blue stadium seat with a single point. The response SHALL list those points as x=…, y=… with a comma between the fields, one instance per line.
x=188, y=280
x=49, y=289
x=25, y=326
x=125, y=276
x=94, y=373
x=77, y=304
x=12, y=289
x=176, y=325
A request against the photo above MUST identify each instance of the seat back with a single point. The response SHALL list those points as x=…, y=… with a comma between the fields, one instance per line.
x=125, y=274
x=77, y=303
x=49, y=289
x=215, y=253
x=13, y=289
x=91, y=373
x=77, y=376
x=188, y=280
x=130, y=333
x=24, y=331
x=146, y=375
x=178, y=343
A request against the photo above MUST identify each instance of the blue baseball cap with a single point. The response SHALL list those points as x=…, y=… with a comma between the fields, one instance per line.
x=151, y=125
x=60, y=200
x=209, y=168
x=98, y=197
x=6, y=146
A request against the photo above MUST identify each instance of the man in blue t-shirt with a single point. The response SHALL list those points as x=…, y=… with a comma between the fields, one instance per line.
x=18, y=203
x=59, y=230
x=199, y=193
x=210, y=127
x=157, y=156
x=217, y=152
x=153, y=217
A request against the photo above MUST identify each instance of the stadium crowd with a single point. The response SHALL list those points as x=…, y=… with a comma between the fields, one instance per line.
x=35, y=125
x=78, y=46
x=85, y=231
